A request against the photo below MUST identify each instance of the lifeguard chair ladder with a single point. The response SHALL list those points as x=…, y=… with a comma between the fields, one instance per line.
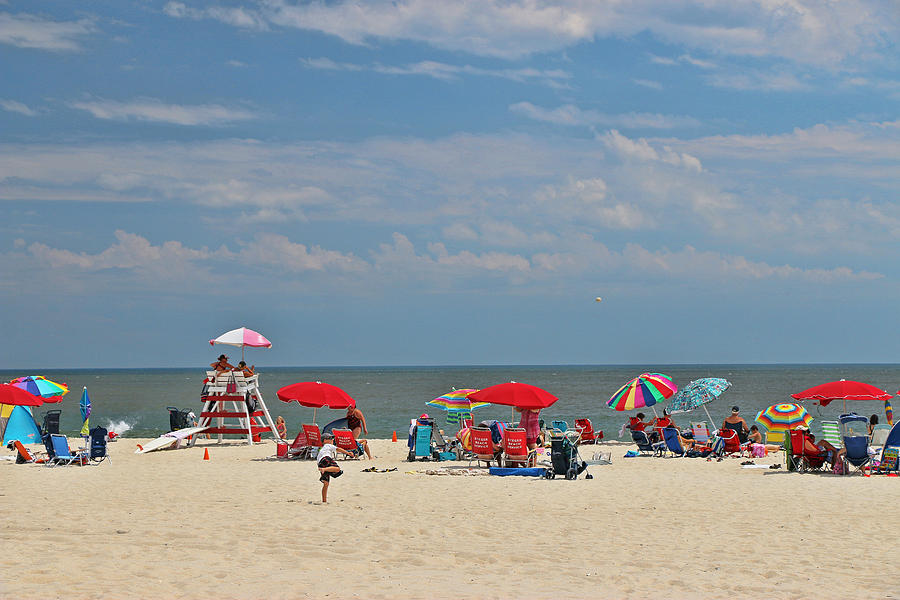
x=215, y=406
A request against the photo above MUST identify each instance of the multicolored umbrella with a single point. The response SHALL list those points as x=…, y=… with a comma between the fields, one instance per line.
x=457, y=404
x=784, y=417
x=698, y=393
x=85, y=405
x=644, y=390
x=888, y=412
x=242, y=338
x=50, y=391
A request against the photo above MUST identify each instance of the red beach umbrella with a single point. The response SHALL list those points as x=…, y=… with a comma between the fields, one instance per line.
x=842, y=390
x=316, y=394
x=520, y=395
x=10, y=394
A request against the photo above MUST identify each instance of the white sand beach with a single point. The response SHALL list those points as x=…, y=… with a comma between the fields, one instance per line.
x=245, y=525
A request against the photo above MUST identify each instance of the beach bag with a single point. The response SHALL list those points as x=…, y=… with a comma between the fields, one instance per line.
x=757, y=450
x=231, y=386
x=839, y=468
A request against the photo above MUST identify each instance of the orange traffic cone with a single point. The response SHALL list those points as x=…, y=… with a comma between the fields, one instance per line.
x=206, y=454
x=394, y=437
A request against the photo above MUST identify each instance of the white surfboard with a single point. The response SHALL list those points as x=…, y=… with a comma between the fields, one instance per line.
x=168, y=439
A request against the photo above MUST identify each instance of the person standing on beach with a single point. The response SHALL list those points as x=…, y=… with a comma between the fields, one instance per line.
x=327, y=464
x=356, y=422
x=281, y=427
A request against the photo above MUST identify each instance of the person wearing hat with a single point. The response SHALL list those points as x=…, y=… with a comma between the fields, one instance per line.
x=221, y=364
x=327, y=464
x=737, y=423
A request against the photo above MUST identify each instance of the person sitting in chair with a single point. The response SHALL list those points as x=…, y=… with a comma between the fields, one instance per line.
x=244, y=370
x=221, y=365
x=736, y=423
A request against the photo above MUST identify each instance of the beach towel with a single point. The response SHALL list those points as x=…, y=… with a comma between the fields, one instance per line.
x=516, y=471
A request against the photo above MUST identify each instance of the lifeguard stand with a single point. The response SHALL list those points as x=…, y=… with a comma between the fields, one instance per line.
x=217, y=399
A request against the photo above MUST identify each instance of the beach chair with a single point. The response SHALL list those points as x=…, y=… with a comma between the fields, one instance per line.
x=344, y=439
x=98, y=451
x=831, y=433
x=775, y=437
x=23, y=455
x=50, y=423
x=515, y=449
x=802, y=456
x=731, y=442
x=738, y=429
x=564, y=458
x=62, y=455
x=586, y=429
x=423, y=447
x=559, y=425
x=483, y=446
x=296, y=449
x=700, y=431
x=313, y=439
x=672, y=441
x=644, y=444
x=879, y=435
x=856, y=451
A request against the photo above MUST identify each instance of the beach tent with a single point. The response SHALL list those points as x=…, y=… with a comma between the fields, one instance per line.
x=20, y=426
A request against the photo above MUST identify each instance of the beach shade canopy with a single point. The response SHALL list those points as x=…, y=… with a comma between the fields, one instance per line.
x=842, y=390
x=19, y=425
x=519, y=395
x=784, y=417
x=698, y=393
x=50, y=391
x=10, y=394
x=315, y=395
x=644, y=390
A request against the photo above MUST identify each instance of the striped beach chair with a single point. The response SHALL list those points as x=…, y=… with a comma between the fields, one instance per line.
x=831, y=433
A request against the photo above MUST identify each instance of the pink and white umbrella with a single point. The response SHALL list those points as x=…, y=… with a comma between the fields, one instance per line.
x=242, y=337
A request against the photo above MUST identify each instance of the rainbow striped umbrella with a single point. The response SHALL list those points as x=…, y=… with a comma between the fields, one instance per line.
x=50, y=391
x=457, y=401
x=645, y=390
x=784, y=417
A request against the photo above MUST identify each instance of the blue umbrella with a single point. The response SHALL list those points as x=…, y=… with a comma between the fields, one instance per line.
x=698, y=393
x=85, y=405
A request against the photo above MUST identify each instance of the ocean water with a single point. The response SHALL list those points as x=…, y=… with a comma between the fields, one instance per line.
x=134, y=402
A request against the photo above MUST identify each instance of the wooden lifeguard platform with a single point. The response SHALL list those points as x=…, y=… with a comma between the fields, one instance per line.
x=224, y=402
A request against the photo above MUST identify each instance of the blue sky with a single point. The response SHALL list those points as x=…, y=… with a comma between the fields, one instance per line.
x=415, y=182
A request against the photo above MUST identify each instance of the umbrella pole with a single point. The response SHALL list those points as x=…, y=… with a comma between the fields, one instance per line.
x=314, y=415
x=711, y=424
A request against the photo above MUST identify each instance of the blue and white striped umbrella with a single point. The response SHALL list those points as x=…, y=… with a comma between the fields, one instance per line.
x=698, y=393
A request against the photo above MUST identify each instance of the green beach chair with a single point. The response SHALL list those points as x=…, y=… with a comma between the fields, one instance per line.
x=831, y=433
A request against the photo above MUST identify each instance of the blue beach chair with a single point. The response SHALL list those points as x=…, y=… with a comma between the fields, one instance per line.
x=61, y=453
x=673, y=443
x=560, y=425
x=422, y=446
x=645, y=445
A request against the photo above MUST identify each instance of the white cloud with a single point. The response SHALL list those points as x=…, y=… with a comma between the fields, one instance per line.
x=17, y=107
x=29, y=31
x=569, y=114
x=682, y=59
x=653, y=85
x=446, y=72
x=778, y=81
x=802, y=31
x=640, y=149
x=156, y=111
x=278, y=251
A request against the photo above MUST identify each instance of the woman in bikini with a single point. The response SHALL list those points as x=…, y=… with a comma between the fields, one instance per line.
x=356, y=422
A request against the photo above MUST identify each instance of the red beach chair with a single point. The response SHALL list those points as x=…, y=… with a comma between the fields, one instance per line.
x=482, y=445
x=343, y=439
x=802, y=454
x=732, y=442
x=586, y=429
x=515, y=448
x=25, y=455
x=313, y=439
